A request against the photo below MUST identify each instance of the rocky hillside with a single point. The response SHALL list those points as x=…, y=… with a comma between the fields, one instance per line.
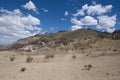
x=116, y=35
x=79, y=37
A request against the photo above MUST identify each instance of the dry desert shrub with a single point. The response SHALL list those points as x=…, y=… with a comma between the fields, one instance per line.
x=29, y=59
x=88, y=67
x=12, y=58
x=47, y=56
x=62, y=47
x=23, y=69
x=107, y=74
x=114, y=50
x=74, y=56
x=52, y=56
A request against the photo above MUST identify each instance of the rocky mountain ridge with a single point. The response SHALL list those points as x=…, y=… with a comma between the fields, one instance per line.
x=81, y=36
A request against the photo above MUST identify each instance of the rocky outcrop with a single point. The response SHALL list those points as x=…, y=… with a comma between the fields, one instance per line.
x=29, y=48
x=116, y=35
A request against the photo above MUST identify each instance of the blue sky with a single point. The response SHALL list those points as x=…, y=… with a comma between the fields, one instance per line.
x=23, y=18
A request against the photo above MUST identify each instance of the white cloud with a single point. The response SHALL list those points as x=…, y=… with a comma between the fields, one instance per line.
x=79, y=13
x=98, y=9
x=15, y=12
x=45, y=10
x=110, y=30
x=106, y=22
x=96, y=16
x=30, y=6
x=76, y=21
x=13, y=25
x=66, y=13
x=76, y=27
x=85, y=7
x=87, y=20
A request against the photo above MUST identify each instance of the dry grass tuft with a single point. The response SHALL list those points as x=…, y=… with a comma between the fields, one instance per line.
x=29, y=59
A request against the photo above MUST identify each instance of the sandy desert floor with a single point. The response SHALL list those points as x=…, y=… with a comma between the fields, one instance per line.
x=61, y=67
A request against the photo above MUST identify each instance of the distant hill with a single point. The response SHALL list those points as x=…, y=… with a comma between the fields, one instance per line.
x=64, y=37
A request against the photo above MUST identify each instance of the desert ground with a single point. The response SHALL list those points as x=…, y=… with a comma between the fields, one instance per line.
x=62, y=65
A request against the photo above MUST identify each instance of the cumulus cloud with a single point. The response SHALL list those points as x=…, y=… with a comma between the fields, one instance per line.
x=14, y=12
x=76, y=27
x=79, y=13
x=85, y=7
x=14, y=25
x=95, y=15
x=30, y=6
x=96, y=9
x=76, y=21
x=66, y=13
x=110, y=30
x=106, y=21
x=87, y=20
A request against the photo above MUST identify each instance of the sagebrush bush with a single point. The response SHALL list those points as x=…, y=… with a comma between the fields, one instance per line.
x=12, y=58
x=29, y=59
